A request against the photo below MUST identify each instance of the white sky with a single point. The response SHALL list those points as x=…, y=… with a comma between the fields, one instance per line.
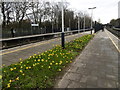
x=105, y=11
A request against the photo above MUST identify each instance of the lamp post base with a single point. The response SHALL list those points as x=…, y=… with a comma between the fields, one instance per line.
x=63, y=40
x=91, y=30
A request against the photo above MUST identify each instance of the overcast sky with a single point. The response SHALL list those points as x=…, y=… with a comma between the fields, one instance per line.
x=105, y=11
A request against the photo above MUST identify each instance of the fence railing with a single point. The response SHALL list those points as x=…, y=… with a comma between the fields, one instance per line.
x=17, y=41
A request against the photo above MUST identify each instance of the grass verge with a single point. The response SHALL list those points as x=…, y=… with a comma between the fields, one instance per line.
x=40, y=70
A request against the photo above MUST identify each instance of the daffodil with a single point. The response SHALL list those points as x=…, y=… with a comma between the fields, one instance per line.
x=33, y=65
x=48, y=57
x=0, y=76
x=8, y=85
x=56, y=63
x=10, y=81
x=60, y=61
x=21, y=71
x=50, y=63
x=20, y=59
x=11, y=69
x=35, y=54
x=3, y=65
x=66, y=61
x=38, y=59
x=49, y=67
x=14, y=68
x=17, y=78
x=23, y=74
x=26, y=67
x=4, y=71
x=42, y=60
x=59, y=70
x=21, y=67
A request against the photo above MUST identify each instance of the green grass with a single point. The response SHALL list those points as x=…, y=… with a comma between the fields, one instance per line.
x=40, y=70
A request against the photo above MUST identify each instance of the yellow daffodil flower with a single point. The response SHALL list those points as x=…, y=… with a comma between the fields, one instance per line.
x=20, y=59
x=21, y=67
x=59, y=70
x=42, y=60
x=4, y=71
x=0, y=76
x=56, y=63
x=26, y=67
x=21, y=71
x=10, y=81
x=49, y=67
x=11, y=69
x=38, y=59
x=8, y=85
x=17, y=78
x=50, y=63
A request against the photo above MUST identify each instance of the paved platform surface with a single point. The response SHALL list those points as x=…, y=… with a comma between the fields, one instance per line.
x=13, y=55
x=96, y=66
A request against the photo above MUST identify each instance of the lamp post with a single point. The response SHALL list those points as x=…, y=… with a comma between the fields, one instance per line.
x=62, y=34
x=78, y=22
x=84, y=21
x=91, y=16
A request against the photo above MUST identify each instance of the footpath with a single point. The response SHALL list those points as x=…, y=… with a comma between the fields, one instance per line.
x=96, y=66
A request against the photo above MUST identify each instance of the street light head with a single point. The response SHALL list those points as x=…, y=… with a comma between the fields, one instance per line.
x=89, y=8
x=92, y=8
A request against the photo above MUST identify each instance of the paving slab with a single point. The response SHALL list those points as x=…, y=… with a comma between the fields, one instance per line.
x=96, y=66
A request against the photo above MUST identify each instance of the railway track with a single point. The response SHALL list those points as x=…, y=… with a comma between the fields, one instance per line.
x=115, y=31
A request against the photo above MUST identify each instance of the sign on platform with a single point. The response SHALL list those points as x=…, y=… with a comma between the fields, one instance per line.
x=35, y=25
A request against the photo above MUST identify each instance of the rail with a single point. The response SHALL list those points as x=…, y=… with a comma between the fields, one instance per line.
x=18, y=41
x=115, y=31
x=116, y=28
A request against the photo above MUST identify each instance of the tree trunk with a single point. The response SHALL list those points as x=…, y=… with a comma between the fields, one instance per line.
x=4, y=17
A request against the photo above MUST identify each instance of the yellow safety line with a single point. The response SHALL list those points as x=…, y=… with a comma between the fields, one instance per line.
x=22, y=49
x=31, y=46
x=113, y=42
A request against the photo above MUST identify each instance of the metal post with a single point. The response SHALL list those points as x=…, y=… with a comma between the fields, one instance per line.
x=91, y=20
x=69, y=25
x=78, y=23
x=91, y=17
x=84, y=22
x=62, y=34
